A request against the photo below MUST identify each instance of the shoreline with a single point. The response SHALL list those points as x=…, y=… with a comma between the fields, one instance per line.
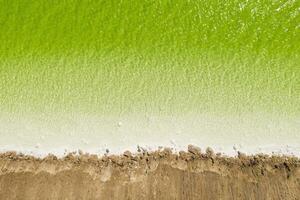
x=159, y=174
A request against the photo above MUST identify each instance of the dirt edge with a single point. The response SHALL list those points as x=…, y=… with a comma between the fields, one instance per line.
x=160, y=174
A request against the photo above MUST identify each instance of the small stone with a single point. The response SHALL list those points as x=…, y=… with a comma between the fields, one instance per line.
x=139, y=148
x=210, y=152
x=194, y=150
x=127, y=154
x=234, y=148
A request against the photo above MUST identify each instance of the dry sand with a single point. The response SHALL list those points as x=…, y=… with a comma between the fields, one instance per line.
x=149, y=175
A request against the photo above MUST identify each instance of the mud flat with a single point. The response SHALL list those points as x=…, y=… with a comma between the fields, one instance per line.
x=149, y=175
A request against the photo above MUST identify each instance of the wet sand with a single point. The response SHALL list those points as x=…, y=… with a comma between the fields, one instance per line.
x=161, y=174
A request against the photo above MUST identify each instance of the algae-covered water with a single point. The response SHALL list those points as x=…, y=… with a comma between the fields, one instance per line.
x=200, y=67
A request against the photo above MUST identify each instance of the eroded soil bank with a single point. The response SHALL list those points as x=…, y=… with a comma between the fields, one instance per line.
x=149, y=175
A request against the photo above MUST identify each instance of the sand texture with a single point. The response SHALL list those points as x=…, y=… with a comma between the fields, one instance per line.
x=149, y=175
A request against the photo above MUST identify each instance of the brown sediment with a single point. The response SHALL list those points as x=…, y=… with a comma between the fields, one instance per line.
x=150, y=175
